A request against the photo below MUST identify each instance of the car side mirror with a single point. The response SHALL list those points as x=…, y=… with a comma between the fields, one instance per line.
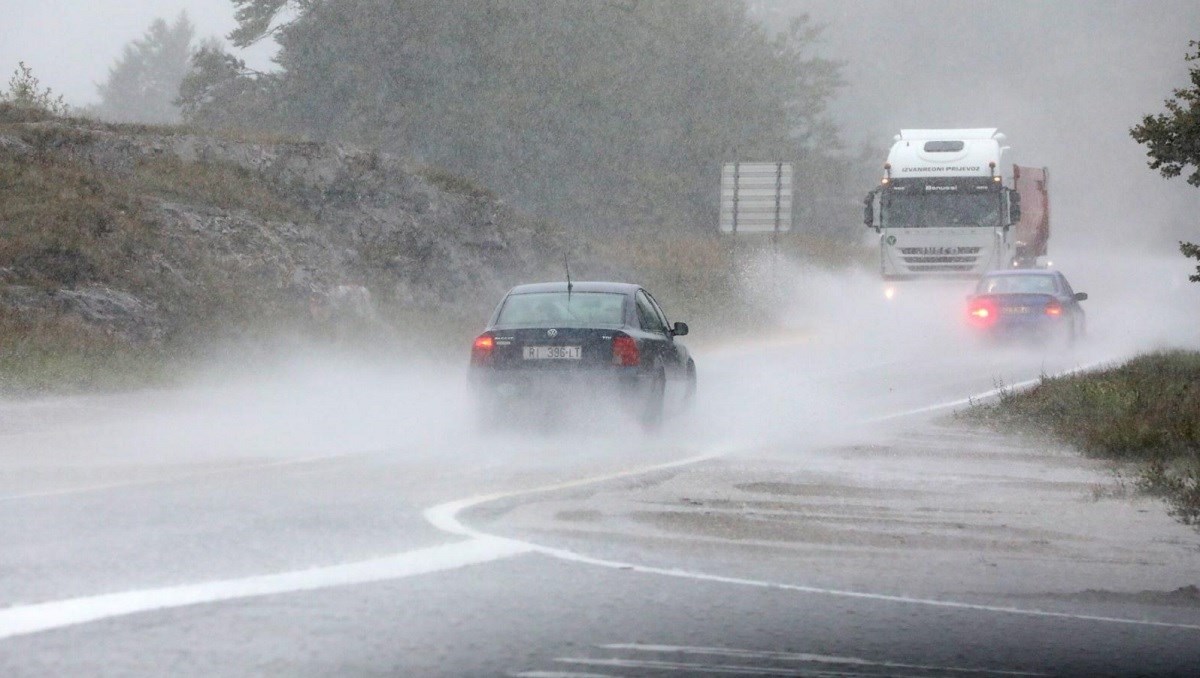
x=680, y=329
x=1080, y=296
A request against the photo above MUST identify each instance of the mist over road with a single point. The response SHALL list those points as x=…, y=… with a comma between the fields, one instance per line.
x=811, y=515
x=819, y=512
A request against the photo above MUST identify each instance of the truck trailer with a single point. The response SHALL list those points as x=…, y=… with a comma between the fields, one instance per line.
x=1032, y=230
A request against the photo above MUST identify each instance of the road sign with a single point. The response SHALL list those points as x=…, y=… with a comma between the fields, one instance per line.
x=756, y=197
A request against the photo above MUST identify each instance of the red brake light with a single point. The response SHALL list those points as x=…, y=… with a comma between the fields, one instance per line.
x=482, y=350
x=982, y=312
x=625, y=351
x=1054, y=308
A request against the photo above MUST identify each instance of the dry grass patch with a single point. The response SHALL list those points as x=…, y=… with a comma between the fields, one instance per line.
x=64, y=355
x=218, y=185
x=62, y=224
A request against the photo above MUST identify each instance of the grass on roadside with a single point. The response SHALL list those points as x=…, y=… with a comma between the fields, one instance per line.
x=63, y=355
x=62, y=223
x=1146, y=411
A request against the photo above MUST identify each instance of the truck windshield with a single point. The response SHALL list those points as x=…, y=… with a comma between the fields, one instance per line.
x=938, y=210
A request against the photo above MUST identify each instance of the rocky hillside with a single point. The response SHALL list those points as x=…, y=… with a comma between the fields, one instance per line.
x=162, y=235
x=125, y=247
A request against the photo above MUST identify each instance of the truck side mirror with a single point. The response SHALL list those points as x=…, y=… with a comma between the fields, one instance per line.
x=1014, y=207
x=869, y=210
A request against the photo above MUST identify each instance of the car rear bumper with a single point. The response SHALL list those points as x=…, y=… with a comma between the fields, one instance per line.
x=546, y=397
x=549, y=383
x=1038, y=329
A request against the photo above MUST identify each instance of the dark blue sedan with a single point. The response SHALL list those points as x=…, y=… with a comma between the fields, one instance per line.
x=587, y=344
x=1024, y=303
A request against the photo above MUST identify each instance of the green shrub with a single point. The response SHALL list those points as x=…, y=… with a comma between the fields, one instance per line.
x=1146, y=411
x=25, y=92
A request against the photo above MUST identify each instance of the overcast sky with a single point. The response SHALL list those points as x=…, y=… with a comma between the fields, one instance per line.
x=70, y=44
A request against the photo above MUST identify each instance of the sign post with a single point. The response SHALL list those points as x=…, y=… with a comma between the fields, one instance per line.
x=756, y=197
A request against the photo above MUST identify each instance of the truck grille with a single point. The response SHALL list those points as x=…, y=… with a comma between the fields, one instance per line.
x=934, y=259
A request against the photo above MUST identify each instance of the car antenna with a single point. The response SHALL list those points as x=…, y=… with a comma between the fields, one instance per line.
x=567, y=264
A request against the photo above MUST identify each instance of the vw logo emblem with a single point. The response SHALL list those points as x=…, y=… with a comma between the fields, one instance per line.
x=552, y=332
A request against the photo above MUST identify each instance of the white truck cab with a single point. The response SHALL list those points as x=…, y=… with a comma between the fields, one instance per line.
x=942, y=209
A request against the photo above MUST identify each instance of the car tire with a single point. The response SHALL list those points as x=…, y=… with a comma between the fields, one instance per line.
x=487, y=418
x=689, y=394
x=652, y=415
x=1074, y=335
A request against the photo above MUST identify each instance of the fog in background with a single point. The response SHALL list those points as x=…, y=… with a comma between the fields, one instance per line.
x=70, y=44
x=1064, y=80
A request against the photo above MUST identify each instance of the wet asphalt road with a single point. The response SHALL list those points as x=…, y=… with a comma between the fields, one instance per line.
x=823, y=524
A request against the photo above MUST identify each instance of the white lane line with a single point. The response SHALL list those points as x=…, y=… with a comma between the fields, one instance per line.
x=38, y=617
x=445, y=518
x=693, y=668
x=986, y=395
x=481, y=548
x=802, y=657
x=880, y=597
x=27, y=619
x=561, y=674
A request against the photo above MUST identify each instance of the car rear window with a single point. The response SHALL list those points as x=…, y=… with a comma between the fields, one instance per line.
x=1017, y=284
x=558, y=309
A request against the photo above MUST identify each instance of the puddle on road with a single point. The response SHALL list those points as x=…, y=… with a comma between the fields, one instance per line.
x=850, y=531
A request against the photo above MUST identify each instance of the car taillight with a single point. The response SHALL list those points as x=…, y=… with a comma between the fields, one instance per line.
x=1054, y=308
x=625, y=351
x=981, y=312
x=481, y=352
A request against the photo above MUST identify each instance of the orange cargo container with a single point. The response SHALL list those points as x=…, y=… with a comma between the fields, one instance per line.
x=1032, y=232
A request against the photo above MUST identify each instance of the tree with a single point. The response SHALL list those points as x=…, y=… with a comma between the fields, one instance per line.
x=254, y=18
x=1172, y=139
x=143, y=84
x=25, y=91
x=220, y=91
x=611, y=114
x=1191, y=251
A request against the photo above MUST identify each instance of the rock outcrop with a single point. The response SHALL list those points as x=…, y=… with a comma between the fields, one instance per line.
x=239, y=230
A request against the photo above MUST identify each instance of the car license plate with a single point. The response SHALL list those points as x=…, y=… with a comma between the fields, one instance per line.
x=1017, y=310
x=553, y=352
